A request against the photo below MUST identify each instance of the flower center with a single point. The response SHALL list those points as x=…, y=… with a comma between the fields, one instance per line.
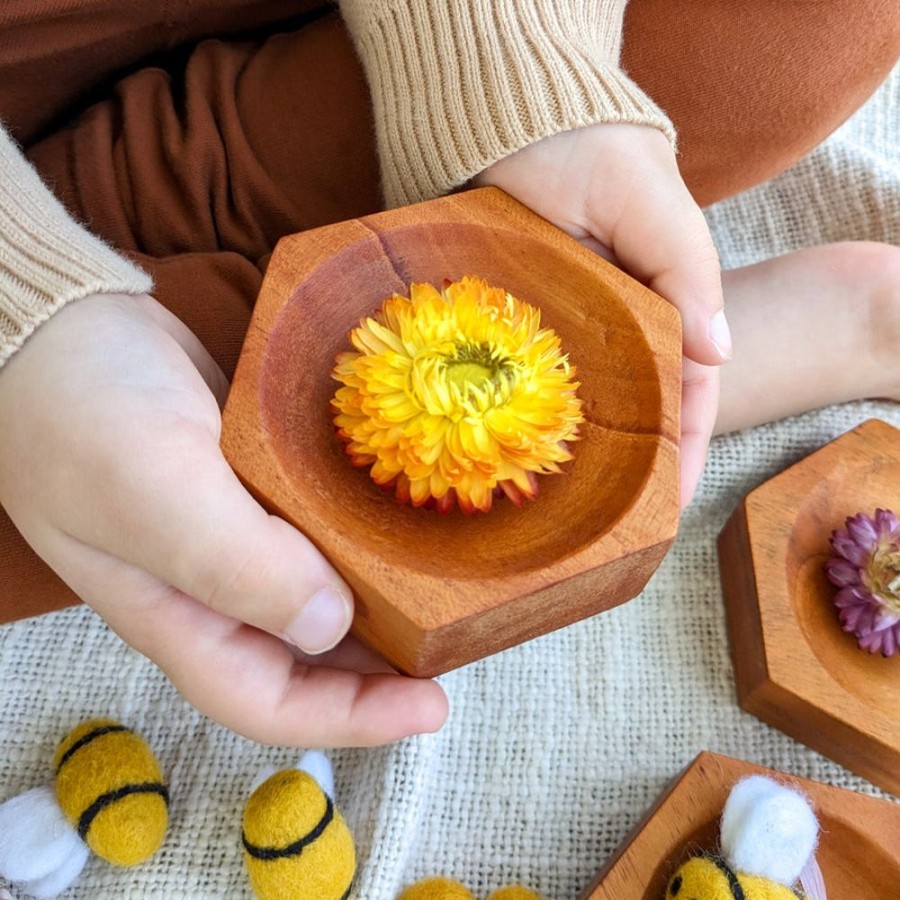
x=474, y=365
x=883, y=574
x=463, y=374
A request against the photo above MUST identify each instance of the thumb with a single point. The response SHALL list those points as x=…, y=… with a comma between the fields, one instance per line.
x=194, y=526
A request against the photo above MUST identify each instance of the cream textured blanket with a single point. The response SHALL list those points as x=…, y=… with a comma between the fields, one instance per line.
x=554, y=749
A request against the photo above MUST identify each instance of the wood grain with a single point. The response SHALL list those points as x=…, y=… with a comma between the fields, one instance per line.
x=794, y=666
x=437, y=591
x=859, y=846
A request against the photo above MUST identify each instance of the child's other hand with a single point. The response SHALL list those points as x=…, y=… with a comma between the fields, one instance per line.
x=617, y=189
x=110, y=466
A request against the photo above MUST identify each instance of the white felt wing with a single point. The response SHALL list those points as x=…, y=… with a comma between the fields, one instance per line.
x=38, y=844
x=56, y=882
x=317, y=764
x=768, y=829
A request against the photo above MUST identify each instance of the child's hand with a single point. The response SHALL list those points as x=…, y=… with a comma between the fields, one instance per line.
x=110, y=466
x=616, y=188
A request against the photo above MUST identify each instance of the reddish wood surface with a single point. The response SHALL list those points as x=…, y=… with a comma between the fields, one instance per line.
x=435, y=592
x=858, y=852
x=794, y=666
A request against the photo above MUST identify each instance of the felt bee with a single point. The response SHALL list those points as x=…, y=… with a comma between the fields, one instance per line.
x=768, y=841
x=441, y=888
x=297, y=845
x=711, y=878
x=108, y=796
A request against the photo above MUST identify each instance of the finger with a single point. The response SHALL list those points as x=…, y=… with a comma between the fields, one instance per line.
x=349, y=654
x=591, y=243
x=662, y=239
x=692, y=283
x=251, y=682
x=659, y=235
x=699, y=406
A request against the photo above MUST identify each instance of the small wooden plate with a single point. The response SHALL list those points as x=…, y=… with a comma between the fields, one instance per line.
x=795, y=668
x=436, y=591
x=859, y=844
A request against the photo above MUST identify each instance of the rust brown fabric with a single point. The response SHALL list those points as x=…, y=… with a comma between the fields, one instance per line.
x=58, y=56
x=753, y=87
x=192, y=134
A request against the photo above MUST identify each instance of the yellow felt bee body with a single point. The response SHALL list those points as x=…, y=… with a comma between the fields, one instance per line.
x=297, y=845
x=768, y=835
x=437, y=888
x=711, y=878
x=110, y=787
x=440, y=888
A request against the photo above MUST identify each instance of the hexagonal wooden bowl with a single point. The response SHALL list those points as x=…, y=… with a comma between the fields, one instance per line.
x=794, y=666
x=436, y=591
x=858, y=852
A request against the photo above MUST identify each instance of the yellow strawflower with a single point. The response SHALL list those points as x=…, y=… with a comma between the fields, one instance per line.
x=454, y=396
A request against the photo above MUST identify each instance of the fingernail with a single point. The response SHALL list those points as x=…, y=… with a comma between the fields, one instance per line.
x=720, y=334
x=322, y=622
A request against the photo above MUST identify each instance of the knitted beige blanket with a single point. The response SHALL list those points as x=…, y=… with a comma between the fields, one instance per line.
x=554, y=749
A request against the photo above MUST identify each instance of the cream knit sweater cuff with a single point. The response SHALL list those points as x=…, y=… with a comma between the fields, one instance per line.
x=46, y=258
x=458, y=85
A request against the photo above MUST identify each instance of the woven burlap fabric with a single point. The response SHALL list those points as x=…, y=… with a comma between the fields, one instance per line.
x=554, y=749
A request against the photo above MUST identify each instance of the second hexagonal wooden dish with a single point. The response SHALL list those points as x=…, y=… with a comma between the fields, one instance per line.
x=434, y=592
x=858, y=852
x=794, y=666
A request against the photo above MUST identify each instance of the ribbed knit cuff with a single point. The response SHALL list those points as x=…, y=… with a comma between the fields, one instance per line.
x=457, y=86
x=46, y=258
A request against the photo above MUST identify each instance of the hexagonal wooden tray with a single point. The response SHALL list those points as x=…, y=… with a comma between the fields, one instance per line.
x=859, y=845
x=436, y=591
x=795, y=668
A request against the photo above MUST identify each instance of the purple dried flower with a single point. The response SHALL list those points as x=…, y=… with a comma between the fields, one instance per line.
x=866, y=570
